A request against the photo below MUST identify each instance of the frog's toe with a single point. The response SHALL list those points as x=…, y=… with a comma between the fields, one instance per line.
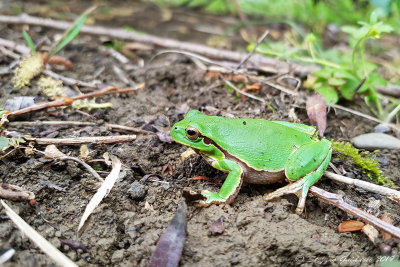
x=211, y=198
x=297, y=188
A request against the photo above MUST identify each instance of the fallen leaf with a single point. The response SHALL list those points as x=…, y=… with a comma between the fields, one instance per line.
x=59, y=60
x=167, y=167
x=52, y=152
x=19, y=102
x=107, y=160
x=165, y=137
x=169, y=248
x=252, y=87
x=217, y=227
x=371, y=232
x=316, y=111
x=84, y=152
x=386, y=218
x=350, y=226
x=148, y=206
x=102, y=192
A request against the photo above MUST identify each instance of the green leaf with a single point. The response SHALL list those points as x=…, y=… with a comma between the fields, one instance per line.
x=29, y=42
x=196, y=3
x=324, y=73
x=4, y=144
x=336, y=81
x=347, y=90
x=330, y=94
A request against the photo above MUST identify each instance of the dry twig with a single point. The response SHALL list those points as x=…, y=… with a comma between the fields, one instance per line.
x=15, y=193
x=221, y=54
x=93, y=140
x=51, y=123
x=337, y=201
x=84, y=164
x=259, y=41
x=69, y=100
x=382, y=190
x=123, y=128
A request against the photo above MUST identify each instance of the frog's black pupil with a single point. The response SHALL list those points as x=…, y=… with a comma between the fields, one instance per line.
x=191, y=132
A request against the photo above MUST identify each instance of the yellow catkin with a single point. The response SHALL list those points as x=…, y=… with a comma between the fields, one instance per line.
x=28, y=68
x=51, y=87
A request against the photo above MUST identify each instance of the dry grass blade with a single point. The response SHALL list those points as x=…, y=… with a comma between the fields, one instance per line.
x=102, y=192
x=35, y=237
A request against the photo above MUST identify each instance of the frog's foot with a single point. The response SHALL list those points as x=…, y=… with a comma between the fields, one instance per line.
x=300, y=188
x=213, y=198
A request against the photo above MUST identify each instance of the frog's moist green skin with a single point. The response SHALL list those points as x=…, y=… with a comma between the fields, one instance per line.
x=256, y=151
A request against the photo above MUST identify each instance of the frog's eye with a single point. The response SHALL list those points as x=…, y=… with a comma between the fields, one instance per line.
x=192, y=133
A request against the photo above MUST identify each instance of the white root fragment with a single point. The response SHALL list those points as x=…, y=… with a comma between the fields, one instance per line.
x=39, y=240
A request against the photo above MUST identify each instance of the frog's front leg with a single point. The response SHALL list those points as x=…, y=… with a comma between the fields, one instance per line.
x=230, y=187
x=304, y=168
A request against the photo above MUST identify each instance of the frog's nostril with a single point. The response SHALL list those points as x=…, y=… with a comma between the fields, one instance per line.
x=176, y=128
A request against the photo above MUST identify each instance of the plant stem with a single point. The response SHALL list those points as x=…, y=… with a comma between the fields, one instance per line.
x=392, y=114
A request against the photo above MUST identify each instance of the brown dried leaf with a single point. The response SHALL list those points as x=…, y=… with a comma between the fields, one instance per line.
x=386, y=218
x=371, y=232
x=167, y=167
x=350, y=226
x=169, y=248
x=52, y=152
x=316, y=111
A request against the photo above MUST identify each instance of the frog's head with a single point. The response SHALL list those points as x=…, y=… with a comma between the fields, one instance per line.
x=188, y=131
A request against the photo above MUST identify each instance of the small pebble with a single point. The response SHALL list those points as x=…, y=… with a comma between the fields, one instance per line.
x=166, y=186
x=374, y=141
x=137, y=191
x=385, y=249
x=383, y=160
x=382, y=128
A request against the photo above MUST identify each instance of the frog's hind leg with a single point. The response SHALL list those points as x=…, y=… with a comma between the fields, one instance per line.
x=304, y=169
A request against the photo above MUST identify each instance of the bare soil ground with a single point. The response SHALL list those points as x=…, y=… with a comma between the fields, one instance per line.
x=123, y=231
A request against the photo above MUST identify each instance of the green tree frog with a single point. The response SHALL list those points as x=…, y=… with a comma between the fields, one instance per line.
x=256, y=151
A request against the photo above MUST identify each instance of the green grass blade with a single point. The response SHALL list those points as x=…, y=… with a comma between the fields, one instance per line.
x=29, y=41
x=71, y=34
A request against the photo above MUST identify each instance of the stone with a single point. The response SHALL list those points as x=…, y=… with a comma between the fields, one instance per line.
x=374, y=141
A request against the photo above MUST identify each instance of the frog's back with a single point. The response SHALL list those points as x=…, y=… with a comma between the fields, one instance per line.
x=261, y=144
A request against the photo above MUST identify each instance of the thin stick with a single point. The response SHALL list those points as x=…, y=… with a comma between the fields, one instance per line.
x=244, y=93
x=69, y=100
x=22, y=49
x=15, y=193
x=67, y=80
x=221, y=54
x=127, y=129
x=337, y=201
x=95, y=140
x=84, y=164
x=259, y=41
x=391, y=193
x=52, y=123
